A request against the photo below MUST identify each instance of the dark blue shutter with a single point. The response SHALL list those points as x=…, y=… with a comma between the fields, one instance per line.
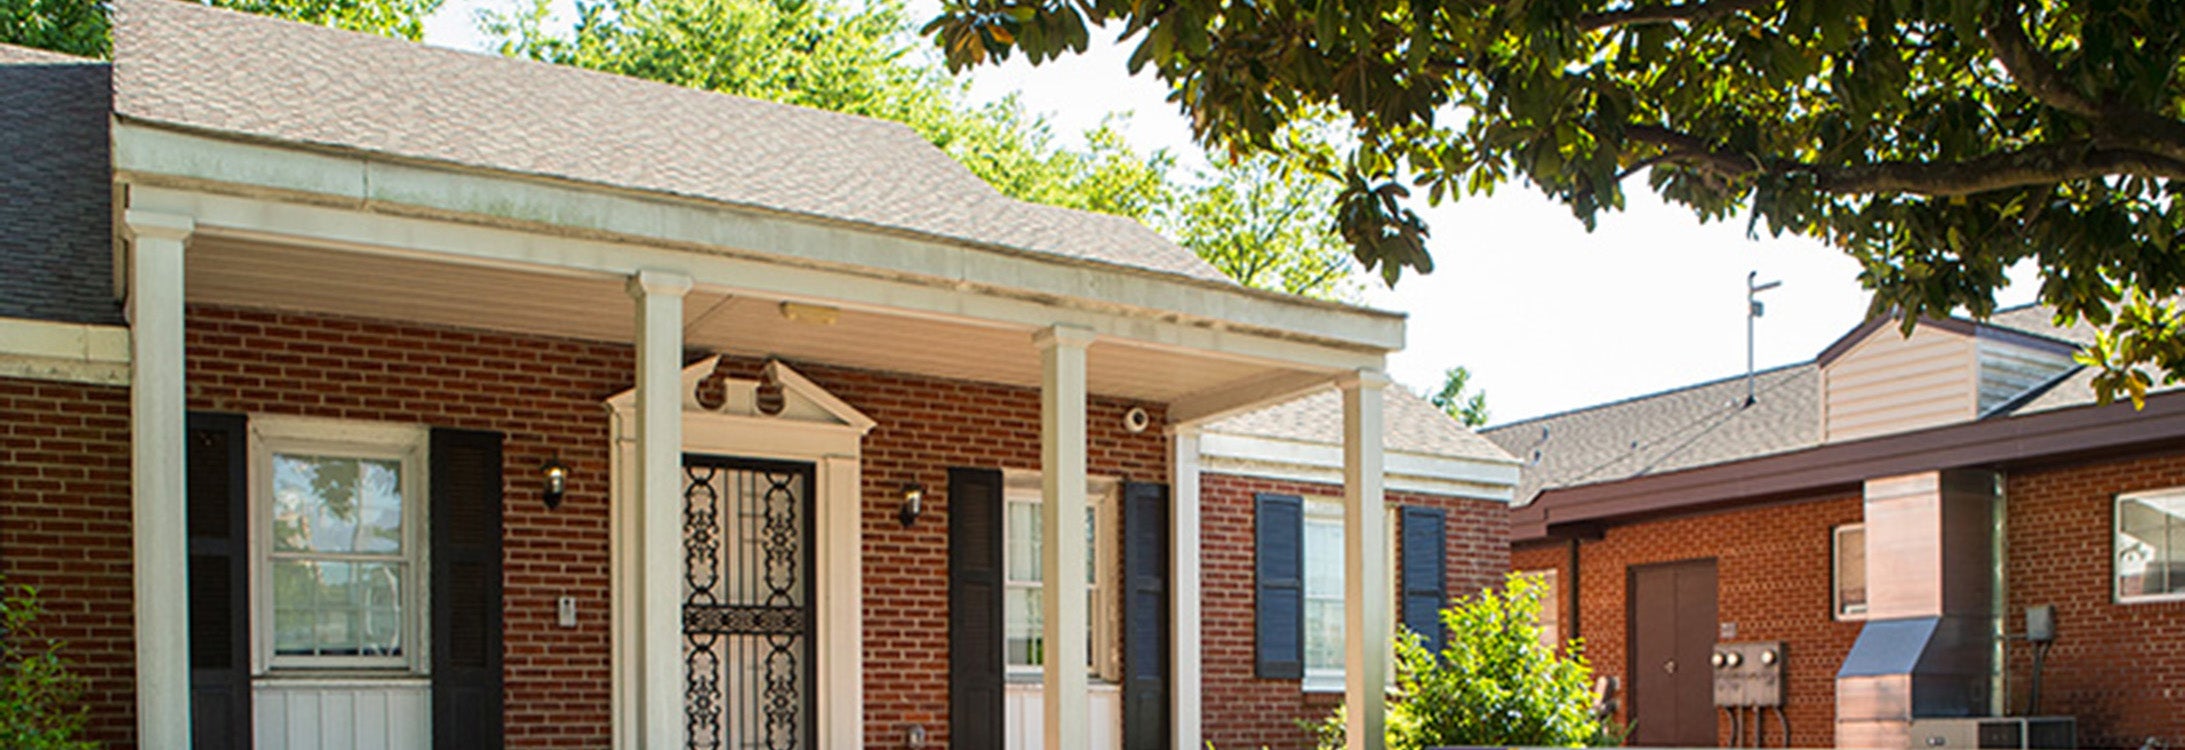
x=1425, y=572
x=1145, y=616
x=974, y=608
x=219, y=580
x=467, y=689
x=1278, y=609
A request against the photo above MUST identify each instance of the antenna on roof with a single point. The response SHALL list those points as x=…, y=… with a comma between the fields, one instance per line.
x=1753, y=311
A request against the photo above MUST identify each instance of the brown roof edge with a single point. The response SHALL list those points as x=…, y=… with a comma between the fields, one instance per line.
x=2043, y=436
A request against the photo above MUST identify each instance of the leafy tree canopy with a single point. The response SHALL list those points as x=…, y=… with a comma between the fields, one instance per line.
x=1936, y=141
x=1258, y=220
x=83, y=28
x=1471, y=409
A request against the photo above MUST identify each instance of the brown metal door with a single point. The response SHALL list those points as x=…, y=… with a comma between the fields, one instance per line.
x=1672, y=622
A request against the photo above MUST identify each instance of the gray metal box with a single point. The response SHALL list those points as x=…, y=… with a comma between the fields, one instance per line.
x=1748, y=673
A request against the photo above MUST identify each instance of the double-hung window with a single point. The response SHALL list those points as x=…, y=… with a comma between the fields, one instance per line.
x=2150, y=546
x=1324, y=612
x=1023, y=615
x=339, y=538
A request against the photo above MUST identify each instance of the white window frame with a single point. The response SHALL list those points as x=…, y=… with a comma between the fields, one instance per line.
x=1103, y=496
x=1324, y=509
x=345, y=438
x=1837, y=608
x=2116, y=534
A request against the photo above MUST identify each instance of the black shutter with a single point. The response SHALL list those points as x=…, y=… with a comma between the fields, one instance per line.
x=1278, y=610
x=466, y=589
x=974, y=608
x=1424, y=573
x=1145, y=616
x=219, y=575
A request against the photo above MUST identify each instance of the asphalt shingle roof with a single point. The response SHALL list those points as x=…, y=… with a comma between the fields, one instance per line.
x=56, y=199
x=1410, y=425
x=188, y=65
x=1707, y=424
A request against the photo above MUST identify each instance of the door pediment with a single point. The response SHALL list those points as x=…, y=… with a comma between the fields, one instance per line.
x=780, y=393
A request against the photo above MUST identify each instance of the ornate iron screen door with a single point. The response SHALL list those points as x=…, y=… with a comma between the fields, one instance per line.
x=747, y=605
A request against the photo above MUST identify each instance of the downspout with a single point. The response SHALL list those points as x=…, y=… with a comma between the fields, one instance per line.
x=1571, y=591
x=1999, y=680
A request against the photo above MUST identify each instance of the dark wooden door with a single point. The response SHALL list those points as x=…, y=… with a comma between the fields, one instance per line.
x=1672, y=621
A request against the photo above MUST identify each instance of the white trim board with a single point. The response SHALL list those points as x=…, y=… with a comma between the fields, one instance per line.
x=1323, y=464
x=148, y=156
x=64, y=352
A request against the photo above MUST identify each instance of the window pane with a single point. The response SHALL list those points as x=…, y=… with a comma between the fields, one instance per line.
x=2150, y=553
x=335, y=504
x=1851, y=571
x=1022, y=621
x=337, y=608
x=1022, y=526
x=1324, y=634
x=1323, y=558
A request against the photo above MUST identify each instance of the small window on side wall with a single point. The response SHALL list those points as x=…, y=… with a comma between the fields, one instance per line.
x=1850, y=572
x=2150, y=546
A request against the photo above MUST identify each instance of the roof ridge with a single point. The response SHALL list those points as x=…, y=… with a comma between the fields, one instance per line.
x=22, y=54
x=1646, y=396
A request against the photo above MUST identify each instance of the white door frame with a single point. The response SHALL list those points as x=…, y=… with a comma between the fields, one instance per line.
x=812, y=427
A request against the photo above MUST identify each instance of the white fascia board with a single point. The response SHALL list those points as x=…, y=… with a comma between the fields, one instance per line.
x=1314, y=462
x=152, y=156
x=64, y=352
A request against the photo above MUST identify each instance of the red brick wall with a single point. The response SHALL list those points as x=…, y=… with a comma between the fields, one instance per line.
x=1243, y=711
x=64, y=529
x=1549, y=556
x=1772, y=568
x=2120, y=668
x=543, y=393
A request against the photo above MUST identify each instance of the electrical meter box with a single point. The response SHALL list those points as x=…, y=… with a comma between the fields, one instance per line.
x=1748, y=673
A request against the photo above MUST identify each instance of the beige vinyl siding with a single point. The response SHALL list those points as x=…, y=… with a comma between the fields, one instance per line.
x=1889, y=383
x=2008, y=371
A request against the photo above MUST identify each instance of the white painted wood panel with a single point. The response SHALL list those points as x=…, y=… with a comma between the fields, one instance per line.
x=1889, y=383
x=342, y=714
x=1023, y=716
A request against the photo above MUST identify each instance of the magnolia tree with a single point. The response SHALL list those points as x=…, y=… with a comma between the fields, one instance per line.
x=1938, y=142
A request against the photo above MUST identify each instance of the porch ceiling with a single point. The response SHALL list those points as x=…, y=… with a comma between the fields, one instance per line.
x=226, y=271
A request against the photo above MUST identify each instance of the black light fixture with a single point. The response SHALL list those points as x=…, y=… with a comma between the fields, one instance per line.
x=914, y=503
x=557, y=481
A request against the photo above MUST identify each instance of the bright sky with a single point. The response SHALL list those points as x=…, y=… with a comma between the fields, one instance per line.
x=1547, y=316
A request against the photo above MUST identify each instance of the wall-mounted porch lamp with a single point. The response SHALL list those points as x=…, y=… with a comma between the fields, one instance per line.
x=556, y=476
x=914, y=504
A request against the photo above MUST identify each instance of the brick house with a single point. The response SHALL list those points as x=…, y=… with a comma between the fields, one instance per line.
x=363, y=394
x=1887, y=512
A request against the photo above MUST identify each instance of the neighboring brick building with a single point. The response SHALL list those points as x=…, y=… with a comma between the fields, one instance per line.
x=468, y=402
x=1852, y=511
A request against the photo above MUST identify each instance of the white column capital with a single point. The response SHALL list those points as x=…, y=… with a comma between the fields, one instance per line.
x=1369, y=380
x=153, y=225
x=651, y=283
x=1071, y=337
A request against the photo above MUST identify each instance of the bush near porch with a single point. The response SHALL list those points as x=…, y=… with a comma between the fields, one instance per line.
x=39, y=694
x=1494, y=683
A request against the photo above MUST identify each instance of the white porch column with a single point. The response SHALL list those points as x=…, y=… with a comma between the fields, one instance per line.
x=1365, y=562
x=841, y=593
x=1186, y=628
x=158, y=448
x=659, y=468
x=1068, y=724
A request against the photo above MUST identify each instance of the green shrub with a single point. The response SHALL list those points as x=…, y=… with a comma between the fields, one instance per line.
x=1493, y=684
x=39, y=696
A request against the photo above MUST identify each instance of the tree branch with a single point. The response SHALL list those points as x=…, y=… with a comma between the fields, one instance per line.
x=1683, y=12
x=2029, y=67
x=2033, y=165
